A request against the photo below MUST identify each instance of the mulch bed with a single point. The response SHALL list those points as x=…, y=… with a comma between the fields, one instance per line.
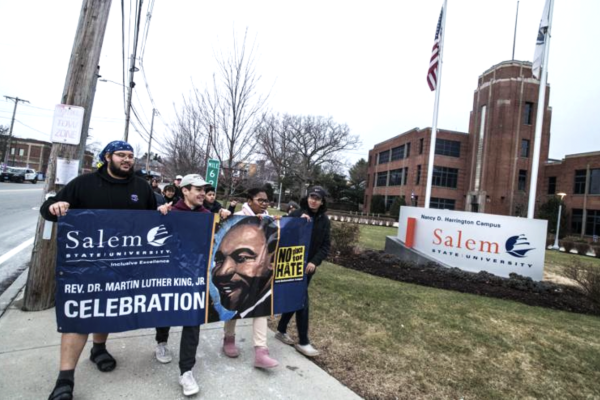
x=516, y=288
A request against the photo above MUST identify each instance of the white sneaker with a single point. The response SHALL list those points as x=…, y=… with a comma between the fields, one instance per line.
x=163, y=354
x=284, y=337
x=308, y=350
x=189, y=384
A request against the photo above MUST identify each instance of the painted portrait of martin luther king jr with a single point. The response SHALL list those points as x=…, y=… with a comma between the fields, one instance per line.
x=242, y=269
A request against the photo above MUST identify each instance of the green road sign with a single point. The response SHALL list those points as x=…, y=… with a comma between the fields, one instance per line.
x=212, y=172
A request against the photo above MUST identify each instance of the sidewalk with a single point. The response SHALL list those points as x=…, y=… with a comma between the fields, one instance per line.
x=29, y=355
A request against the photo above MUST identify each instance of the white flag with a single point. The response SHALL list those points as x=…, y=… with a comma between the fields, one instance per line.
x=538, y=57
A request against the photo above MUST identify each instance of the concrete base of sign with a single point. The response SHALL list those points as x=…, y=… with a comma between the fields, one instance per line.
x=394, y=246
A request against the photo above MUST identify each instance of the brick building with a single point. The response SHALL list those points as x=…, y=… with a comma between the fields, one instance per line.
x=577, y=175
x=488, y=169
x=34, y=154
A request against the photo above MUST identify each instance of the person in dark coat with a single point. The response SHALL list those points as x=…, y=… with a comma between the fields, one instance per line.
x=292, y=206
x=212, y=204
x=313, y=207
x=170, y=195
x=115, y=187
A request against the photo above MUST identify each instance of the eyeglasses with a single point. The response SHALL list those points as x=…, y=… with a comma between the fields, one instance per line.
x=123, y=155
x=262, y=201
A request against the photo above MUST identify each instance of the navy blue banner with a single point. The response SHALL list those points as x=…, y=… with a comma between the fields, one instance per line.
x=124, y=270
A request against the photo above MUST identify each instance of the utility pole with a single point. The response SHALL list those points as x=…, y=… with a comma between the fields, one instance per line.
x=79, y=91
x=12, y=123
x=132, y=70
x=150, y=142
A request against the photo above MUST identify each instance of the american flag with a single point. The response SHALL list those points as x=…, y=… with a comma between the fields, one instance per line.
x=435, y=55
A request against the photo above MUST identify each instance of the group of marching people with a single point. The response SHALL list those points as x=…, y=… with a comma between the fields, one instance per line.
x=115, y=186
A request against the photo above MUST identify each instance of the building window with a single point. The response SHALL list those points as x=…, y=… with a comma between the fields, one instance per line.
x=21, y=152
x=384, y=157
x=389, y=201
x=444, y=176
x=528, y=115
x=552, y=185
x=594, y=181
x=576, y=221
x=421, y=145
x=382, y=178
x=592, y=223
x=580, y=176
x=396, y=177
x=405, y=176
x=449, y=148
x=442, y=204
x=525, y=148
x=522, y=186
x=12, y=151
x=407, y=150
x=398, y=153
x=418, y=180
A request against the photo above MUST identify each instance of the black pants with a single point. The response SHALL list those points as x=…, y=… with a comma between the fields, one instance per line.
x=190, y=337
x=301, y=319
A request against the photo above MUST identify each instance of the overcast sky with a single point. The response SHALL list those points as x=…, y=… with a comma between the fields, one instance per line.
x=362, y=63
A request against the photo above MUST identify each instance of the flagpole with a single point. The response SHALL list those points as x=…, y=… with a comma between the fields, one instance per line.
x=537, y=144
x=435, y=109
x=515, y=35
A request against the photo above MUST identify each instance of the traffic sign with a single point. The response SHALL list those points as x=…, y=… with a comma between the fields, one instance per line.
x=212, y=172
x=67, y=124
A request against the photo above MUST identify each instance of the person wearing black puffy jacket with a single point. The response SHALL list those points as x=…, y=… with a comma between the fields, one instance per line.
x=313, y=206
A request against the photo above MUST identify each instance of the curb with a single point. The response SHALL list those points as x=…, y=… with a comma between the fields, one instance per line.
x=13, y=290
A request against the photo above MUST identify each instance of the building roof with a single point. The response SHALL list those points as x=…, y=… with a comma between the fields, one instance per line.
x=417, y=129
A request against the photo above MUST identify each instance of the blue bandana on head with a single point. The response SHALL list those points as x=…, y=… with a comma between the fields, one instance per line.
x=111, y=148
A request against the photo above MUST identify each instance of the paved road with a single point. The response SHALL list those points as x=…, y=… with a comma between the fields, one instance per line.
x=18, y=218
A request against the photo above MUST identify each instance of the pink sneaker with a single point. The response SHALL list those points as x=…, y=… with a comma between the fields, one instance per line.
x=262, y=359
x=229, y=347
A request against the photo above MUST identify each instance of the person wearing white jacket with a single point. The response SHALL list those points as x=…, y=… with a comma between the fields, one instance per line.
x=256, y=205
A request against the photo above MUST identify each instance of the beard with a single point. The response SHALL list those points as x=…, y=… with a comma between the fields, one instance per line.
x=116, y=171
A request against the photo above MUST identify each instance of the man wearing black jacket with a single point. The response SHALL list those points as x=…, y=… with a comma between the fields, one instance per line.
x=312, y=207
x=113, y=186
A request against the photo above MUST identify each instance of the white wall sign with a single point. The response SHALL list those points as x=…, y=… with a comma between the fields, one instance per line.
x=478, y=242
x=66, y=170
x=67, y=124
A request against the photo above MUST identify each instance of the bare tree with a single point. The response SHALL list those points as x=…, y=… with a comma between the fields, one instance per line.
x=232, y=109
x=186, y=147
x=303, y=146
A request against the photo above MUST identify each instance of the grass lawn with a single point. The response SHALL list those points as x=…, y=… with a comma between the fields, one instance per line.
x=556, y=260
x=387, y=339
x=373, y=237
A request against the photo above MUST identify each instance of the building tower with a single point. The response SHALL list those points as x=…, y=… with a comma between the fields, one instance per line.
x=501, y=139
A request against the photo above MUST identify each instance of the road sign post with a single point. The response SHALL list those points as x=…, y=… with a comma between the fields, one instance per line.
x=212, y=172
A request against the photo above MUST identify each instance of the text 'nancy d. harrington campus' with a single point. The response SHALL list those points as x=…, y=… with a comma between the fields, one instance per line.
x=487, y=169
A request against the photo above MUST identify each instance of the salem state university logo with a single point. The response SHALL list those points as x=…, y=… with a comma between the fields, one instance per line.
x=158, y=236
x=518, y=246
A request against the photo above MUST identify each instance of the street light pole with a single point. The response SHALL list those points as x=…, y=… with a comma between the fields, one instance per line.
x=556, y=246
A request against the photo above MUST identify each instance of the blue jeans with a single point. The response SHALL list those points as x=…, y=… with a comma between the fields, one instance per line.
x=301, y=319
